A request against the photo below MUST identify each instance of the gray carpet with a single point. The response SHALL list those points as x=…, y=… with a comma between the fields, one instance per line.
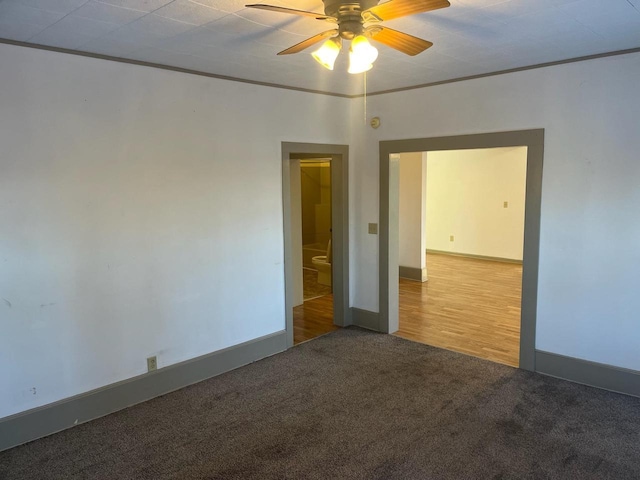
x=354, y=404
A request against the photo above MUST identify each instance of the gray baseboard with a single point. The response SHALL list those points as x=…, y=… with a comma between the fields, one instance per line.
x=479, y=257
x=413, y=273
x=365, y=319
x=42, y=421
x=599, y=375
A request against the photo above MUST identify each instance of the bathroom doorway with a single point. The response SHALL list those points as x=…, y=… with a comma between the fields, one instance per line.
x=315, y=206
x=314, y=316
x=315, y=195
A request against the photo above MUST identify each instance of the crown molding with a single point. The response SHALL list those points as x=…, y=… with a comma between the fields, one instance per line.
x=309, y=90
x=168, y=67
x=503, y=72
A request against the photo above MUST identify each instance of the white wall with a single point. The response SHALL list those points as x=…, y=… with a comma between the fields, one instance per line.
x=589, y=255
x=140, y=210
x=466, y=191
x=411, y=211
x=137, y=204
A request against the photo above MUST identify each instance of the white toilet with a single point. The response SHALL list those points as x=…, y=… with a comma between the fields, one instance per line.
x=322, y=263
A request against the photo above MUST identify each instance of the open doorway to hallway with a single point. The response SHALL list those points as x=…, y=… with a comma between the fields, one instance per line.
x=461, y=234
x=390, y=151
x=314, y=316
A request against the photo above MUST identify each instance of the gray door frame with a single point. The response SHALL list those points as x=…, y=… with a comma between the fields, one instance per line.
x=388, y=256
x=339, y=157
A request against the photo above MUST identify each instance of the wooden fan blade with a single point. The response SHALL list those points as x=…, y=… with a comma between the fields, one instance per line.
x=273, y=8
x=401, y=41
x=308, y=42
x=401, y=8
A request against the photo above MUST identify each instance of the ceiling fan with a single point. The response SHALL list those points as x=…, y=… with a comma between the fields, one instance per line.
x=358, y=21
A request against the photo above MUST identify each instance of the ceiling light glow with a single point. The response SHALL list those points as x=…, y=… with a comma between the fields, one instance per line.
x=326, y=55
x=361, y=55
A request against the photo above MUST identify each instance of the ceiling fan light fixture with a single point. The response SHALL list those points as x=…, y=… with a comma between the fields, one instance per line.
x=361, y=55
x=326, y=55
x=356, y=67
x=349, y=19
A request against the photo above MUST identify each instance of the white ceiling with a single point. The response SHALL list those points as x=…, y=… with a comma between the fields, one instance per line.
x=224, y=38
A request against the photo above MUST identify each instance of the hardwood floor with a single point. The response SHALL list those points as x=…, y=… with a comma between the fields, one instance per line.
x=467, y=305
x=313, y=318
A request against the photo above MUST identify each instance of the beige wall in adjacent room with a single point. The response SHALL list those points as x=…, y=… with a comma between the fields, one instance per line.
x=411, y=210
x=466, y=193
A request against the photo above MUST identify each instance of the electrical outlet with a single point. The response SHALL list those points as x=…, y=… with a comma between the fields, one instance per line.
x=152, y=364
x=451, y=238
x=505, y=204
x=373, y=228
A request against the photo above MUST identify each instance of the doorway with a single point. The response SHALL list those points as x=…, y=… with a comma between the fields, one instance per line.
x=313, y=313
x=321, y=312
x=461, y=232
x=388, y=231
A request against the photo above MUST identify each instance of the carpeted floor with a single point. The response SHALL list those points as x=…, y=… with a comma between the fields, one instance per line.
x=354, y=405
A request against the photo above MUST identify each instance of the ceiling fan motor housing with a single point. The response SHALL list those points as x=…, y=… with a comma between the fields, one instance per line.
x=350, y=28
x=349, y=15
x=332, y=7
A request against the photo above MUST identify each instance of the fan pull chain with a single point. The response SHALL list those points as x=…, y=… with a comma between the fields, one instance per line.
x=365, y=98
